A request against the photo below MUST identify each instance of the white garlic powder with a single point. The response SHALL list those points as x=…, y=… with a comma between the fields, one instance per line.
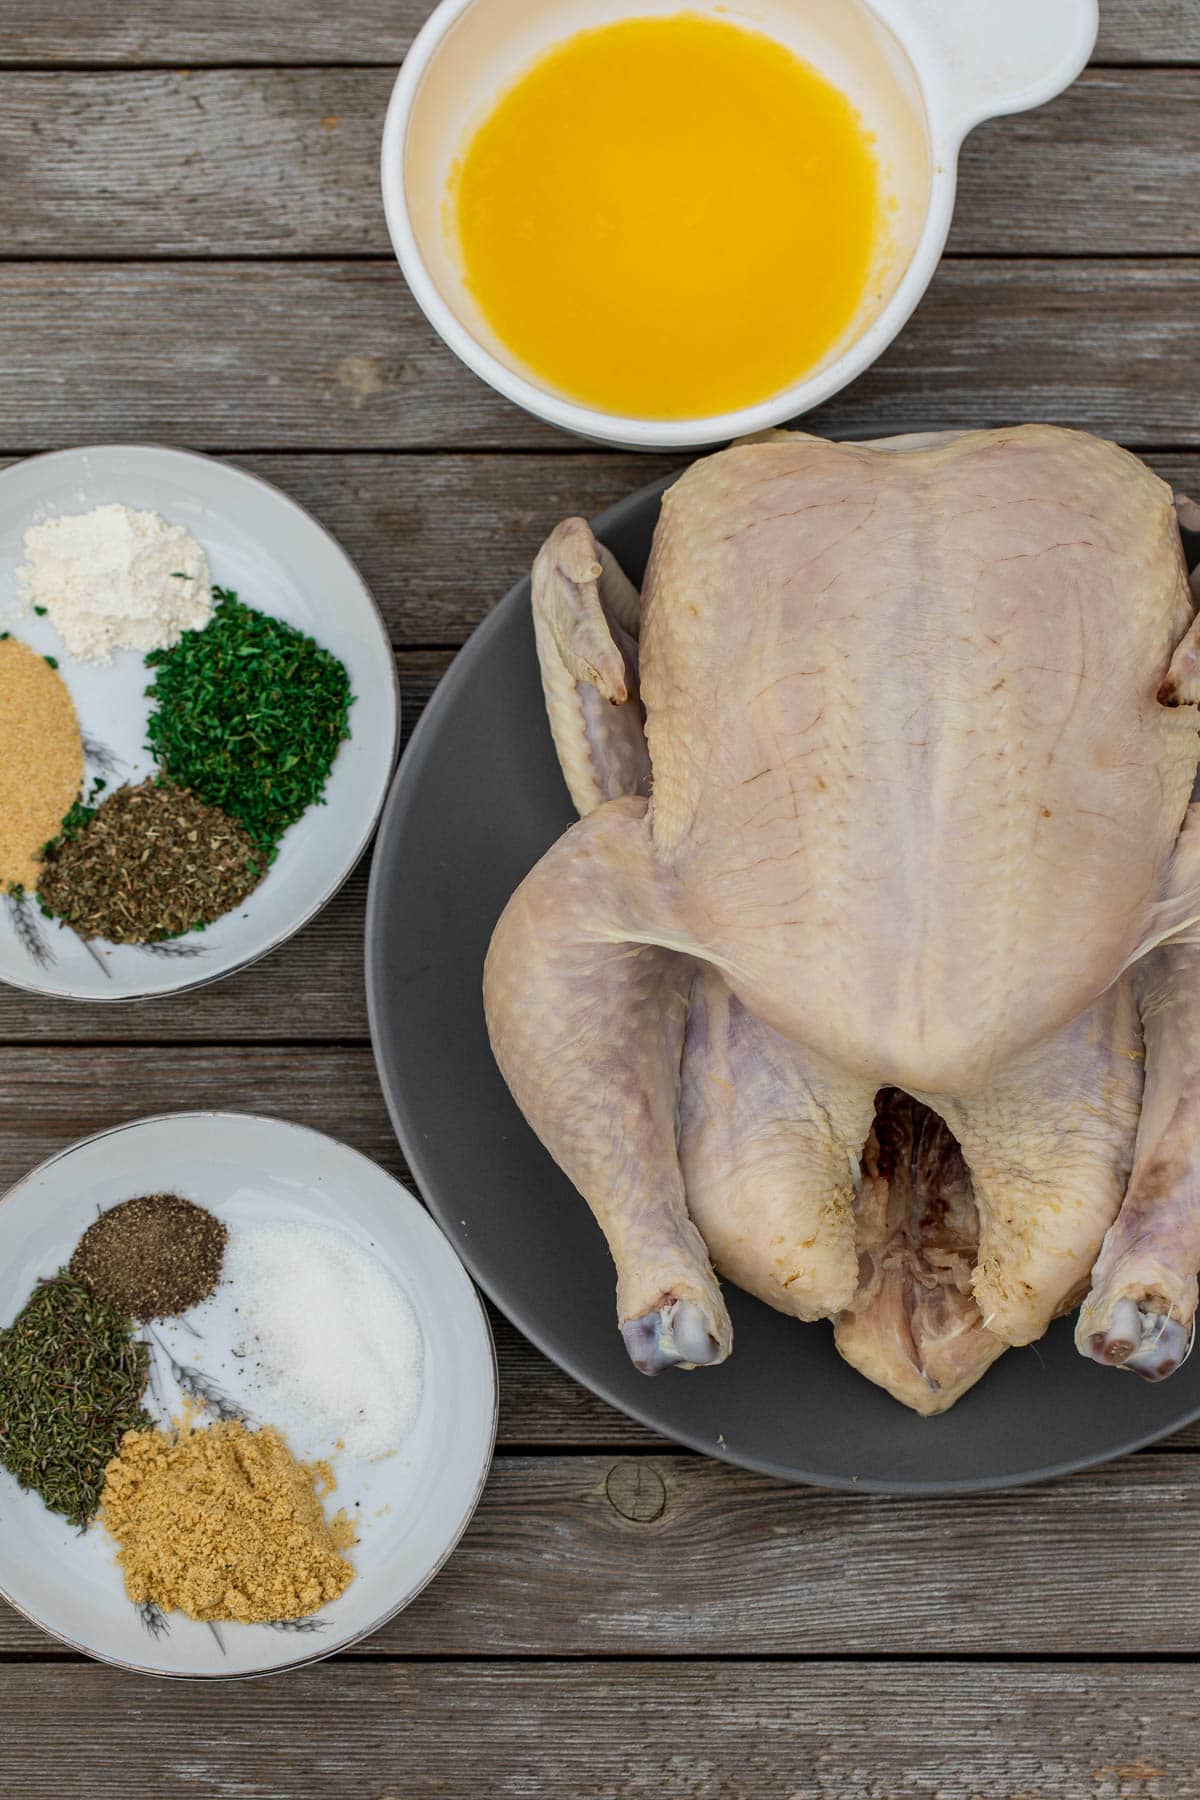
x=116, y=579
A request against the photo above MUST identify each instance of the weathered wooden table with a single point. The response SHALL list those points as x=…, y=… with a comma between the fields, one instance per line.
x=192, y=251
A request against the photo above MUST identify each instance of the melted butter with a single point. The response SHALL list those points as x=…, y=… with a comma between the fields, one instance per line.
x=669, y=217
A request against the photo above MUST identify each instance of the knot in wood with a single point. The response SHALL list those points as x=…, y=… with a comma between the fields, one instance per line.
x=637, y=1491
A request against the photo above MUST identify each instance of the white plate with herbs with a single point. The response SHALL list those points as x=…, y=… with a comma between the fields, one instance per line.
x=265, y=549
x=408, y=1508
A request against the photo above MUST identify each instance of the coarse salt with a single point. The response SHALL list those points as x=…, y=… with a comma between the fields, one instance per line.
x=116, y=579
x=333, y=1336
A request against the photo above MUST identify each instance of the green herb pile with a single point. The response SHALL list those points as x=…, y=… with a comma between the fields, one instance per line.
x=72, y=1378
x=249, y=715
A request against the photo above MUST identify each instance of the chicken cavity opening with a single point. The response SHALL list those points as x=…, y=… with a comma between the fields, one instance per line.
x=914, y=1326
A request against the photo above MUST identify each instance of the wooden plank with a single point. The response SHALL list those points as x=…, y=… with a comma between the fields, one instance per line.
x=439, y=540
x=283, y=162
x=704, y=1731
x=54, y=1095
x=1148, y=31
x=671, y=1554
x=262, y=162
x=270, y=355
x=1110, y=166
x=62, y=32
x=542, y=1408
x=52, y=33
x=617, y=1555
x=324, y=964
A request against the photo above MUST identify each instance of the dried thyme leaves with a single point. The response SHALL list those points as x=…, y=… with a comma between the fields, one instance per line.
x=148, y=863
x=71, y=1384
x=152, y=1257
x=249, y=715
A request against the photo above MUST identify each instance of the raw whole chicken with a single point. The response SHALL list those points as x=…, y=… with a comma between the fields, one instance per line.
x=869, y=976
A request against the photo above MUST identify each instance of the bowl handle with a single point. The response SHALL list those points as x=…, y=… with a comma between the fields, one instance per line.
x=980, y=58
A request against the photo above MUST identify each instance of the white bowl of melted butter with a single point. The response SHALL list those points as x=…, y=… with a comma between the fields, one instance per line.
x=663, y=227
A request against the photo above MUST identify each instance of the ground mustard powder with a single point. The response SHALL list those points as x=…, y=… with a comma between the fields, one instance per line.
x=41, y=759
x=224, y=1523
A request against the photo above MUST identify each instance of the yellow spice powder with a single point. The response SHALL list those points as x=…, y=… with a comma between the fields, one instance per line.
x=41, y=762
x=224, y=1523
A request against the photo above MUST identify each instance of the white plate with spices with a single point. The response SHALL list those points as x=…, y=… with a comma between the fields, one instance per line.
x=280, y=562
x=409, y=1508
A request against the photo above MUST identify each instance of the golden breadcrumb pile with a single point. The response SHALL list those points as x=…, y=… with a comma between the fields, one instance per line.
x=224, y=1523
x=41, y=759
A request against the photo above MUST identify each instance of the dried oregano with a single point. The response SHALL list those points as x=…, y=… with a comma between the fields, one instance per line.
x=148, y=863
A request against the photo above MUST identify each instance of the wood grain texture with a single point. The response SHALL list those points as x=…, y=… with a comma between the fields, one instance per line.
x=438, y=539
x=704, y=1731
x=271, y=355
x=615, y=1555
x=542, y=1408
x=594, y=1538
x=1148, y=31
x=61, y=32
x=672, y=1555
x=283, y=162
x=1109, y=166
x=54, y=1095
x=261, y=162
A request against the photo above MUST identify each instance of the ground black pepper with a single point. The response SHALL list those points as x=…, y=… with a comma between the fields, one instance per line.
x=152, y=1257
x=150, y=862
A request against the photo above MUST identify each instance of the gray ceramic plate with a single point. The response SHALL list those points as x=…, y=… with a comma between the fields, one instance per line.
x=477, y=801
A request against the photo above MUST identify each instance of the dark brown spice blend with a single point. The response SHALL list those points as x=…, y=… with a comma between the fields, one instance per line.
x=150, y=862
x=152, y=1257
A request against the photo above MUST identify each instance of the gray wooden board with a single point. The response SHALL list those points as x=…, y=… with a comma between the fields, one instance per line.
x=289, y=165
x=699, y=1731
x=618, y=1555
x=51, y=32
x=282, y=355
x=440, y=539
x=398, y=518
x=1072, y=298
